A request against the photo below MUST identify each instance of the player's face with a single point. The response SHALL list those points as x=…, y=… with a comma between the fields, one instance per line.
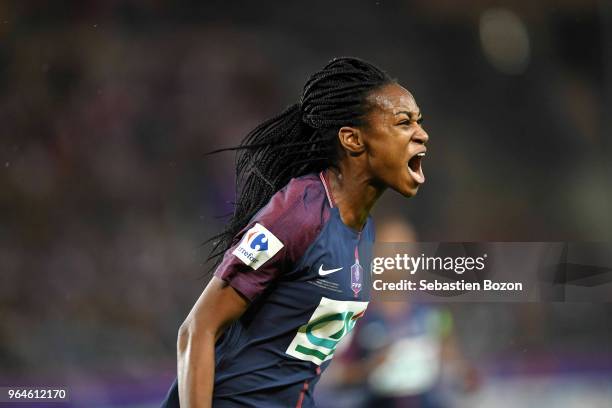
x=394, y=140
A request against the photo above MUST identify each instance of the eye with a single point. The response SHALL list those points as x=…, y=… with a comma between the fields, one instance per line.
x=409, y=122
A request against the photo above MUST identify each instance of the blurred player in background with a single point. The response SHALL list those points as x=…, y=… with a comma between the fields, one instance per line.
x=291, y=280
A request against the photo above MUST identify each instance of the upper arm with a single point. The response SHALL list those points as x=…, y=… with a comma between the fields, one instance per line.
x=275, y=239
x=218, y=306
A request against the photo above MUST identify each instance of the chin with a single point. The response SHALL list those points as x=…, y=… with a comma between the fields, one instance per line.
x=407, y=187
x=409, y=191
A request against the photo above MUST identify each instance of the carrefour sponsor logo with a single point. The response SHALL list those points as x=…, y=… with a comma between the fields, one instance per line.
x=257, y=246
x=316, y=341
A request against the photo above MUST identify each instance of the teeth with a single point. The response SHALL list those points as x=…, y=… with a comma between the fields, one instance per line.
x=421, y=154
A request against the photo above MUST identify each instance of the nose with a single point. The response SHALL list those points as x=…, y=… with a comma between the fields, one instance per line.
x=420, y=136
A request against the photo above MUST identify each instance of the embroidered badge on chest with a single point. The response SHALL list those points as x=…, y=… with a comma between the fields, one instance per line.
x=356, y=277
x=356, y=273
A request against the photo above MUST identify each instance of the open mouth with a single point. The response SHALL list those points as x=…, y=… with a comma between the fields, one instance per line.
x=415, y=169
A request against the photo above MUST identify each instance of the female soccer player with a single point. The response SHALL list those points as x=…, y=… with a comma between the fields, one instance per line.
x=294, y=275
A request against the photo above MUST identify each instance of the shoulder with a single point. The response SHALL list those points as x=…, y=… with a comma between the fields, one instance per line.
x=276, y=237
x=297, y=212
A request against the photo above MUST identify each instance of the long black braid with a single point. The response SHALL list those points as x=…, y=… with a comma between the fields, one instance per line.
x=302, y=139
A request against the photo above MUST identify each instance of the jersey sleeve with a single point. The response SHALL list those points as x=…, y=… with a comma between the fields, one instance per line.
x=275, y=238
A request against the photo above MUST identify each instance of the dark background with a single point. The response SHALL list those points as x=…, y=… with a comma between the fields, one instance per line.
x=107, y=109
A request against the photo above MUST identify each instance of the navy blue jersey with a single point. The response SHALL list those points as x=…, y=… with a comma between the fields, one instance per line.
x=307, y=276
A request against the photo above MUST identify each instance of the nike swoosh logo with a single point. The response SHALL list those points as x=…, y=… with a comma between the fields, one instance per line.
x=324, y=272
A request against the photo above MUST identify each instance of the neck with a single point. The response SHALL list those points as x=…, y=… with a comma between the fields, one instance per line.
x=354, y=194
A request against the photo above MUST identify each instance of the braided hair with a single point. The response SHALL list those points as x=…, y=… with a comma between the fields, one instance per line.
x=302, y=139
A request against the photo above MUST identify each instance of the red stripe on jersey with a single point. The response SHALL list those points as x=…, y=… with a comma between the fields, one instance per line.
x=327, y=190
x=302, y=393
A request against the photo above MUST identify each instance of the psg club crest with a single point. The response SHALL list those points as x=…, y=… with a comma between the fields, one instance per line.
x=356, y=277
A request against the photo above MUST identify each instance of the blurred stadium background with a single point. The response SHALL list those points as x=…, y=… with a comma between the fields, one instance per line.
x=107, y=109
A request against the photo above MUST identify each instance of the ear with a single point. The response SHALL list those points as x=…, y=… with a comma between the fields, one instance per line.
x=351, y=140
